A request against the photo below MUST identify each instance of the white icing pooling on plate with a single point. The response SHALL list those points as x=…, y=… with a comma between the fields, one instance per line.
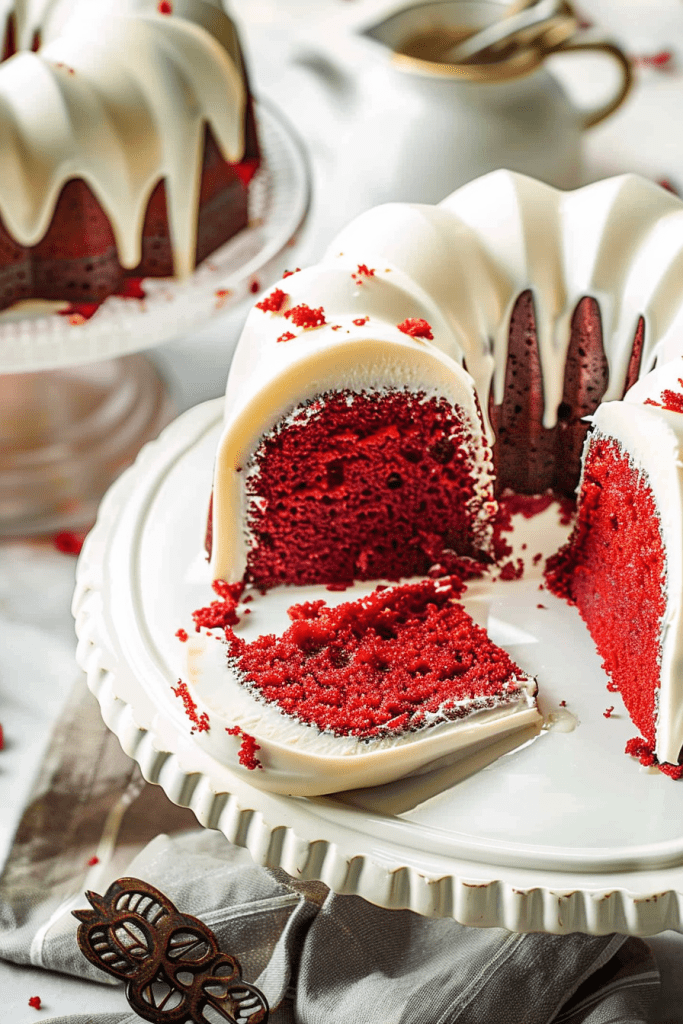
x=118, y=95
x=561, y=720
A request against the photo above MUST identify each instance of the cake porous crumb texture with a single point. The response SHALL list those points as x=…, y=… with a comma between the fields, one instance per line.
x=613, y=569
x=362, y=486
x=396, y=661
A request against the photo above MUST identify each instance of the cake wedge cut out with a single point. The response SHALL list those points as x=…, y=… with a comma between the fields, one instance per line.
x=365, y=692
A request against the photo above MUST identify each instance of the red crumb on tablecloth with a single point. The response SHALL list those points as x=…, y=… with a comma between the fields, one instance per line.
x=93, y=861
x=361, y=321
x=69, y=542
x=35, y=1002
x=254, y=287
x=512, y=570
x=416, y=328
x=288, y=273
x=182, y=635
x=247, y=752
x=274, y=302
x=287, y=336
x=200, y=723
x=661, y=59
x=641, y=749
x=607, y=713
x=304, y=316
x=220, y=614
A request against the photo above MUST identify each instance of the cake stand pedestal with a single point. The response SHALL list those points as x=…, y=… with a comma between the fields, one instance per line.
x=76, y=405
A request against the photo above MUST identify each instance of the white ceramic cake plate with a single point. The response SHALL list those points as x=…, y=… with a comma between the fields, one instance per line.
x=34, y=336
x=563, y=833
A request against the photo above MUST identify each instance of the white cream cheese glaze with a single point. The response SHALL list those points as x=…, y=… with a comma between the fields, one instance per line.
x=118, y=95
x=460, y=266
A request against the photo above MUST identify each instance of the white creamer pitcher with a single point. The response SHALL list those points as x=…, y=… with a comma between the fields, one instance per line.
x=416, y=128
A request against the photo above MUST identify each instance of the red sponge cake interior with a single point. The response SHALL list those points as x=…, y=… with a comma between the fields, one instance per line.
x=363, y=486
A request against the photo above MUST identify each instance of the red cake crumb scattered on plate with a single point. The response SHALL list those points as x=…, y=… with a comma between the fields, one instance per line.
x=220, y=614
x=35, y=1002
x=247, y=752
x=200, y=723
x=398, y=660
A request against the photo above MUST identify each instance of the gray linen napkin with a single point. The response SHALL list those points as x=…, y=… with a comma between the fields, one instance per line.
x=320, y=958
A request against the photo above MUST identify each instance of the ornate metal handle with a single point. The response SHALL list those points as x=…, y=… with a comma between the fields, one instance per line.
x=171, y=963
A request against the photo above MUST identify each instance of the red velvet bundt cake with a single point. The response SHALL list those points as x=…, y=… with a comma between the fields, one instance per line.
x=438, y=357
x=128, y=142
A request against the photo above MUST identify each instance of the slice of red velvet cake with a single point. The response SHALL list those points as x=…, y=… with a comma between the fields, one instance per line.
x=374, y=689
x=622, y=567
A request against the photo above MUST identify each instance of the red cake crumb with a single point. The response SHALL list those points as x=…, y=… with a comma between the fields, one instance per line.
x=165, y=7
x=644, y=752
x=220, y=614
x=182, y=635
x=416, y=328
x=563, y=703
x=200, y=723
x=512, y=570
x=540, y=606
x=607, y=713
x=68, y=542
x=247, y=752
x=93, y=861
x=666, y=184
x=304, y=316
x=537, y=558
x=274, y=302
x=35, y=1002
x=361, y=321
x=2, y=738
x=655, y=60
x=671, y=400
x=288, y=273
x=254, y=287
x=336, y=327
x=131, y=288
x=394, y=661
x=613, y=568
x=364, y=271
x=372, y=486
x=287, y=336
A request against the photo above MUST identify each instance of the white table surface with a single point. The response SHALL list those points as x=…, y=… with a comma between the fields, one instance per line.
x=37, y=643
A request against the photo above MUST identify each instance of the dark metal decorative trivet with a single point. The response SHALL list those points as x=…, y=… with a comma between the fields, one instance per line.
x=174, y=971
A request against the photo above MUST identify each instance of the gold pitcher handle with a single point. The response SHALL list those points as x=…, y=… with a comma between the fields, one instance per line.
x=585, y=42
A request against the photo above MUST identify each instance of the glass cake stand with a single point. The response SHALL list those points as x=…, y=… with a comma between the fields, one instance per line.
x=559, y=834
x=76, y=404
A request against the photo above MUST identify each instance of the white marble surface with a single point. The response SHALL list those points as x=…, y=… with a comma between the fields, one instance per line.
x=36, y=638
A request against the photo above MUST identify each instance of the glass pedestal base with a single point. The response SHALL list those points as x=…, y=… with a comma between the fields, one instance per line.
x=66, y=434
